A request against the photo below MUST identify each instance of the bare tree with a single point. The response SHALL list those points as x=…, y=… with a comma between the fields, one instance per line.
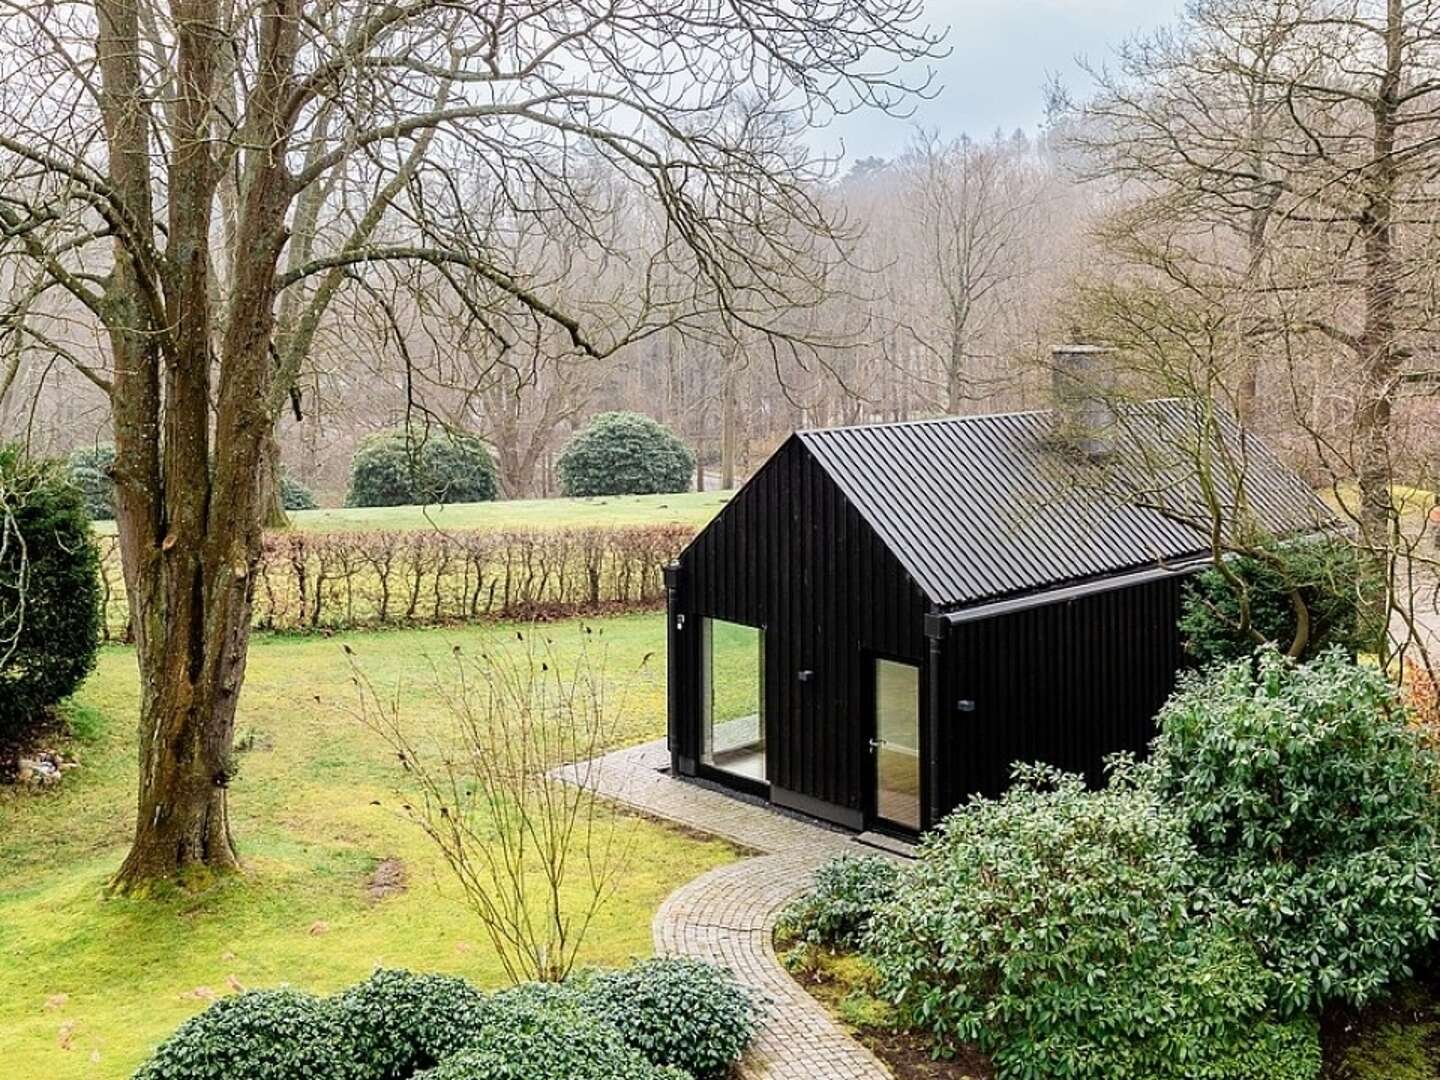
x=536, y=858
x=971, y=206
x=134, y=136
x=1279, y=158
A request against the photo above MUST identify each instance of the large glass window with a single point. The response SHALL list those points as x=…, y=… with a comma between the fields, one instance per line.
x=734, y=698
x=897, y=743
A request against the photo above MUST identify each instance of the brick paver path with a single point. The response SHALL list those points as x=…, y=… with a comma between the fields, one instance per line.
x=728, y=915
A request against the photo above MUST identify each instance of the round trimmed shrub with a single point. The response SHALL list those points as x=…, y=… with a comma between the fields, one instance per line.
x=625, y=453
x=58, y=607
x=678, y=1012
x=296, y=496
x=844, y=895
x=398, y=1022
x=541, y=1032
x=257, y=1035
x=1332, y=578
x=1053, y=927
x=92, y=470
x=1308, y=796
x=398, y=468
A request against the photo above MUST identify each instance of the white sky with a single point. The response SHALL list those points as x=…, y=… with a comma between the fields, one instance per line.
x=1001, y=54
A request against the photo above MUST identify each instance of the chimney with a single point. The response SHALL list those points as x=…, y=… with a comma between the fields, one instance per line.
x=1084, y=419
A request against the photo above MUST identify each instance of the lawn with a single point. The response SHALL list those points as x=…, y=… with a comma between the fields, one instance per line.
x=89, y=984
x=687, y=508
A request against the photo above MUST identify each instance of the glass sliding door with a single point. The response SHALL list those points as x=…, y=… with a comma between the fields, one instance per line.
x=733, y=727
x=896, y=745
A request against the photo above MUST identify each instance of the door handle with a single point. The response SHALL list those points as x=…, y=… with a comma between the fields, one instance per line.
x=876, y=744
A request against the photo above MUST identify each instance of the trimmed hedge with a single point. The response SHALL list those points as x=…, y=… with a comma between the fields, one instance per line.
x=58, y=609
x=401, y=468
x=678, y=1012
x=625, y=453
x=1309, y=797
x=350, y=580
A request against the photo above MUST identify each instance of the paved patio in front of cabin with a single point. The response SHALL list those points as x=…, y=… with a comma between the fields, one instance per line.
x=728, y=915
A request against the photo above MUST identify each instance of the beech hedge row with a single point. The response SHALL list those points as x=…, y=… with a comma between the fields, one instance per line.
x=354, y=580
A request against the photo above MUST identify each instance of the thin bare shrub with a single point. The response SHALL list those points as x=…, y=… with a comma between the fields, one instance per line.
x=536, y=858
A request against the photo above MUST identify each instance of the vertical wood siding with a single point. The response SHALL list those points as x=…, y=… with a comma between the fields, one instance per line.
x=1066, y=684
x=791, y=554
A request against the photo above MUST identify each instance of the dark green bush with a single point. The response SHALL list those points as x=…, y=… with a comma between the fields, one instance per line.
x=49, y=591
x=398, y=1022
x=844, y=894
x=1308, y=797
x=1053, y=927
x=91, y=470
x=294, y=495
x=540, y=1032
x=396, y=468
x=259, y=1035
x=679, y=1012
x=1332, y=578
x=624, y=453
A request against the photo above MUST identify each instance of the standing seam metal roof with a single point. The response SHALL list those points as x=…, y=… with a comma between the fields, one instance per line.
x=982, y=507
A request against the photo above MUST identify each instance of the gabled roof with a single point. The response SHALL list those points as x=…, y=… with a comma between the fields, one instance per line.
x=982, y=507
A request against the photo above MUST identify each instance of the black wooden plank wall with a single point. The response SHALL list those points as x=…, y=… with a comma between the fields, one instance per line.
x=1066, y=684
x=790, y=553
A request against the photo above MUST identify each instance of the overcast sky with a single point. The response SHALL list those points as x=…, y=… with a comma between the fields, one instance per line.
x=1001, y=53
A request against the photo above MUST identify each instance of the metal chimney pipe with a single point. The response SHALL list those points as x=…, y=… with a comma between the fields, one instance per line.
x=1084, y=418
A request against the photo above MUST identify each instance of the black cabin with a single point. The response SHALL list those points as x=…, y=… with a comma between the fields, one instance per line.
x=885, y=617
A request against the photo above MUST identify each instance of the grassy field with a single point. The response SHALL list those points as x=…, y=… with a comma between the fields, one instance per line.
x=688, y=508
x=89, y=984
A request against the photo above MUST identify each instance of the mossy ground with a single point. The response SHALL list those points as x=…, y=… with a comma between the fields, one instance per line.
x=1396, y=1039
x=88, y=984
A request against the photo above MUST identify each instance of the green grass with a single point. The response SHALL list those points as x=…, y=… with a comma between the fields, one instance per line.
x=687, y=508
x=88, y=984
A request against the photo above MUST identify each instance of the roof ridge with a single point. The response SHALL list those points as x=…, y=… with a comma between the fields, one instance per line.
x=968, y=418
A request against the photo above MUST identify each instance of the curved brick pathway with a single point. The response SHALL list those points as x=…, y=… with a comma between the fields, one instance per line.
x=727, y=916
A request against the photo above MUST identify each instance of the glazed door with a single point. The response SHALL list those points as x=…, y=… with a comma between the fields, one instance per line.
x=895, y=748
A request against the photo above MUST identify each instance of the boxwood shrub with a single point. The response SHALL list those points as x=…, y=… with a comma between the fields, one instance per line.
x=294, y=495
x=542, y=1032
x=1053, y=927
x=678, y=1012
x=1309, y=798
x=398, y=1022
x=258, y=1035
x=844, y=894
x=625, y=453
x=57, y=608
x=400, y=468
x=91, y=469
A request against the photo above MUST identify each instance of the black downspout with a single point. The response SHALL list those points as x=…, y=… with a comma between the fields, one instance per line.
x=676, y=683
x=935, y=633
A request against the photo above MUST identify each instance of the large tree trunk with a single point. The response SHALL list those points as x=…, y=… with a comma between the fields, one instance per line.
x=190, y=532
x=955, y=373
x=1379, y=354
x=272, y=489
x=729, y=421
